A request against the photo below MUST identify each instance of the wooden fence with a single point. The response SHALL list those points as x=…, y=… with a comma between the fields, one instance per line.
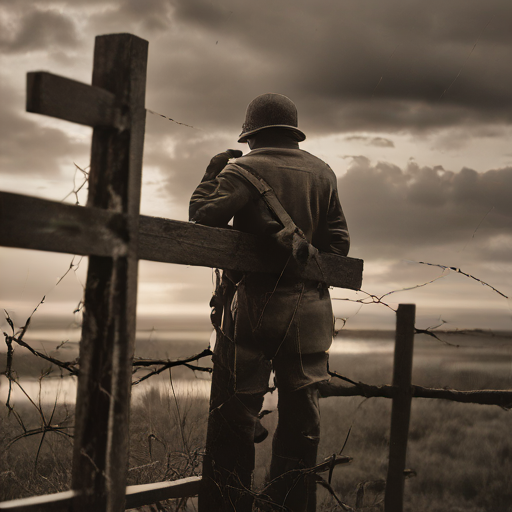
x=114, y=236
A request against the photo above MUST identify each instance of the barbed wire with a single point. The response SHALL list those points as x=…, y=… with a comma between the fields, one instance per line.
x=460, y=271
x=80, y=186
x=170, y=119
x=370, y=298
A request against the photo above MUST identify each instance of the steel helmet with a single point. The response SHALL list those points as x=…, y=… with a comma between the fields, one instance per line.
x=270, y=111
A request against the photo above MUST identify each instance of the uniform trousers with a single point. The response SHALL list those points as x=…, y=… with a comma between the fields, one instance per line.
x=261, y=333
x=234, y=426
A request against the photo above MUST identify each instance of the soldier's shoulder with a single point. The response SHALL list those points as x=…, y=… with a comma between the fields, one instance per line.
x=310, y=156
x=299, y=158
x=256, y=159
x=320, y=165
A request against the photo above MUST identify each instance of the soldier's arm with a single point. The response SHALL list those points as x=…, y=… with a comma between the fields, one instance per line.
x=219, y=195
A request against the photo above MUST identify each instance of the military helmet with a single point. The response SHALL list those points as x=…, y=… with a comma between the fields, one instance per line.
x=270, y=111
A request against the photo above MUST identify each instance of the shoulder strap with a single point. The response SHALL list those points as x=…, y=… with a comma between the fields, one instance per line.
x=291, y=236
x=268, y=195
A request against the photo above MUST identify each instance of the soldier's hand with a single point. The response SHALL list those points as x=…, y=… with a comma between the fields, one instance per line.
x=218, y=162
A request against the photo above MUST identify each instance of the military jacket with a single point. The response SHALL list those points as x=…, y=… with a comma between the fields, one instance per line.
x=274, y=312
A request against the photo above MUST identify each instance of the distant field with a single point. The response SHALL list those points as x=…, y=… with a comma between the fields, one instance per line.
x=462, y=453
x=367, y=353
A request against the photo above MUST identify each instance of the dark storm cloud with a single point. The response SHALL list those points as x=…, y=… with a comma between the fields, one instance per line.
x=25, y=27
x=395, y=212
x=149, y=17
x=207, y=85
x=36, y=30
x=348, y=65
x=423, y=64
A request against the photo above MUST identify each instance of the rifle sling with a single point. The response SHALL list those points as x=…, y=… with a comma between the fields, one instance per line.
x=268, y=195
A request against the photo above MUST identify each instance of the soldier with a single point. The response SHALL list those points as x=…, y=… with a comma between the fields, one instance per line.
x=270, y=321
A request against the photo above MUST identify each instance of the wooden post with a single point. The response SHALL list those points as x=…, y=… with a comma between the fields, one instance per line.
x=101, y=443
x=401, y=408
x=218, y=470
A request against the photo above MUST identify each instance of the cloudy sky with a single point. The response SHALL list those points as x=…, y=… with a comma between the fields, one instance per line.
x=410, y=102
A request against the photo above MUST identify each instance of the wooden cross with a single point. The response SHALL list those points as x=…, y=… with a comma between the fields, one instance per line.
x=114, y=236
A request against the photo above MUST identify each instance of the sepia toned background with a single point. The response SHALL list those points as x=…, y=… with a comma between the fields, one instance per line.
x=410, y=103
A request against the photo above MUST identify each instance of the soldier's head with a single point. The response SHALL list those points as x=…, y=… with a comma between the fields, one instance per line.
x=271, y=116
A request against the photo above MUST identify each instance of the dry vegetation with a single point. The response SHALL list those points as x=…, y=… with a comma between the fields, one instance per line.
x=461, y=453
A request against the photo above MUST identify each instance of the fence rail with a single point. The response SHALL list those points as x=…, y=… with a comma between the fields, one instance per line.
x=136, y=496
x=501, y=398
x=34, y=223
x=60, y=97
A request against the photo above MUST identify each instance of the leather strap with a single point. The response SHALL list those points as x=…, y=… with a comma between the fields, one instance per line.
x=301, y=249
x=268, y=195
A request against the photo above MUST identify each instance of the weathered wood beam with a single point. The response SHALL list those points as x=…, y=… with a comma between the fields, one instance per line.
x=140, y=495
x=101, y=441
x=173, y=241
x=401, y=407
x=60, y=97
x=32, y=223
x=484, y=397
x=136, y=496
x=58, y=502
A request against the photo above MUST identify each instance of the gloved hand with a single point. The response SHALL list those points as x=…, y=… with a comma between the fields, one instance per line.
x=218, y=162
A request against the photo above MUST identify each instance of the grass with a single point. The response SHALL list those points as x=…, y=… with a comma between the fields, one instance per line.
x=29, y=467
x=167, y=438
x=461, y=453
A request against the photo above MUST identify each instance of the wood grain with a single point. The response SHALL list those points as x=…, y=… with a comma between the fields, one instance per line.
x=401, y=407
x=136, y=496
x=186, y=243
x=67, y=99
x=101, y=443
x=33, y=223
x=139, y=495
